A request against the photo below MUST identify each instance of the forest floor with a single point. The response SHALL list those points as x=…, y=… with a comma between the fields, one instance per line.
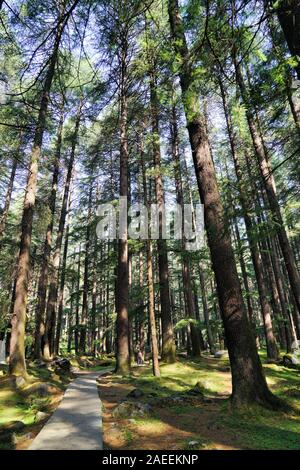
x=180, y=420
x=177, y=419
x=28, y=413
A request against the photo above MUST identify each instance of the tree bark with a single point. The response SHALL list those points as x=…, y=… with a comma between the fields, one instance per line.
x=168, y=345
x=289, y=17
x=43, y=279
x=210, y=338
x=84, y=313
x=150, y=282
x=54, y=279
x=266, y=309
x=248, y=381
x=270, y=188
x=186, y=277
x=17, y=364
x=122, y=284
x=9, y=191
x=61, y=292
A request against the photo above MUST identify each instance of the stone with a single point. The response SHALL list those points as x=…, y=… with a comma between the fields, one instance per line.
x=132, y=410
x=27, y=436
x=40, y=389
x=219, y=354
x=63, y=364
x=41, y=416
x=20, y=382
x=12, y=426
x=290, y=360
x=135, y=393
x=7, y=438
x=193, y=443
x=42, y=364
x=198, y=389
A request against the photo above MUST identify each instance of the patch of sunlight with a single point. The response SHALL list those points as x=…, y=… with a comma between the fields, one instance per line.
x=151, y=426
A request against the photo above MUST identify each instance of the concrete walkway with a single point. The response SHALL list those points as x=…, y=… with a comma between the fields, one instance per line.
x=77, y=422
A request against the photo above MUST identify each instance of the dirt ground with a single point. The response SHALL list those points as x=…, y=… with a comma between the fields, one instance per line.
x=168, y=427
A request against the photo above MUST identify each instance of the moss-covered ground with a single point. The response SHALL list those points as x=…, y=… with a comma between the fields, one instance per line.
x=17, y=405
x=206, y=424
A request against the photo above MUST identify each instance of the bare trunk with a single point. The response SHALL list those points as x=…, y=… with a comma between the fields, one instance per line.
x=270, y=188
x=122, y=285
x=61, y=293
x=186, y=277
x=289, y=17
x=266, y=309
x=9, y=191
x=168, y=345
x=150, y=282
x=54, y=279
x=43, y=279
x=84, y=313
x=248, y=381
x=210, y=338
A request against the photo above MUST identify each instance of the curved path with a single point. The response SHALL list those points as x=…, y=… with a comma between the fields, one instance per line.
x=77, y=422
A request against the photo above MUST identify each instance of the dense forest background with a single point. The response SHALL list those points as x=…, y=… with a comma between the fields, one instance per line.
x=192, y=101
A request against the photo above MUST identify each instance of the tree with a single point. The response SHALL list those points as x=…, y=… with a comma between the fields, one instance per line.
x=248, y=382
x=17, y=364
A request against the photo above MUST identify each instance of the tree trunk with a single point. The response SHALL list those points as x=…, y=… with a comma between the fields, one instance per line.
x=270, y=188
x=150, y=281
x=9, y=191
x=168, y=345
x=76, y=332
x=84, y=313
x=210, y=338
x=186, y=277
x=54, y=279
x=17, y=364
x=248, y=381
x=43, y=279
x=266, y=309
x=289, y=17
x=122, y=284
x=61, y=292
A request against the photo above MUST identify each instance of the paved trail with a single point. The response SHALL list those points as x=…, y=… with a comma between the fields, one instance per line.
x=77, y=422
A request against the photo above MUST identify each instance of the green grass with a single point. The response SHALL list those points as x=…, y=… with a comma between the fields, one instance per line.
x=252, y=428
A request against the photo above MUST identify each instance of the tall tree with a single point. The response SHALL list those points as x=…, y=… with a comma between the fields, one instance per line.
x=248, y=381
x=17, y=364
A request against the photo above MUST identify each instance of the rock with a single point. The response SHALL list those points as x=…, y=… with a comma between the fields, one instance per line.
x=20, y=382
x=27, y=436
x=63, y=364
x=219, y=354
x=42, y=364
x=198, y=389
x=75, y=370
x=40, y=389
x=12, y=426
x=135, y=393
x=132, y=410
x=41, y=416
x=7, y=438
x=290, y=360
x=193, y=443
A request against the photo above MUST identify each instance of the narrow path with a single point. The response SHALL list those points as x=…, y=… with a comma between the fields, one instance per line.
x=77, y=422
